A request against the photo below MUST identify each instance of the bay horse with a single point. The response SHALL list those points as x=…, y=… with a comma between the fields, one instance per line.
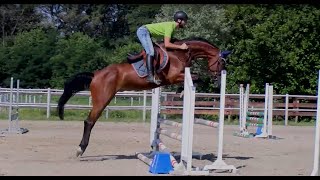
x=105, y=83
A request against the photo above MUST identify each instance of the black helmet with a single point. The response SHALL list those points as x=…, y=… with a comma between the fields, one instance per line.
x=180, y=15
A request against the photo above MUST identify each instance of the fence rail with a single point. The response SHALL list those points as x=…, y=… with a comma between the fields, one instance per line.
x=206, y=103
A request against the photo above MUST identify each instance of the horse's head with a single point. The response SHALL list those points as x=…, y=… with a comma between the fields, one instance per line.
x=201, y=48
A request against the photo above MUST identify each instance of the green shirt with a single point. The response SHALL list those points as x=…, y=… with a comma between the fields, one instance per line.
x=162, y=29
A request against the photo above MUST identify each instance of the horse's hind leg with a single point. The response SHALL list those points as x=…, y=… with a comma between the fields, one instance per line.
x=101, y=97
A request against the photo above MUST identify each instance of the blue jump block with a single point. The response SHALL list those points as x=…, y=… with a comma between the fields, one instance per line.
x=161, y=163
x=259, y=130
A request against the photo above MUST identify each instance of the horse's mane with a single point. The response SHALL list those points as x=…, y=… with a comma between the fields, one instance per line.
x=173, y=40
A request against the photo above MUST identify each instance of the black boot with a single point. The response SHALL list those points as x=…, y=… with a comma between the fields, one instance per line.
x=150, y=70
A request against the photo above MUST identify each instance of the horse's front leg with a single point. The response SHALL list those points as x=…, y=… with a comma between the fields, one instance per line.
x=180, y=89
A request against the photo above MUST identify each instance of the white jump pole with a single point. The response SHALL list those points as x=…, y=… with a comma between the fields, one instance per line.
x=241, y=94
x=10, y=107
x=219, y=163
x=315, y=171
x=270, y=111
x=154, y=116
x=188, y=120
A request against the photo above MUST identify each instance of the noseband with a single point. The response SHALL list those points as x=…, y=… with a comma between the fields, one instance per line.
x=217, y=72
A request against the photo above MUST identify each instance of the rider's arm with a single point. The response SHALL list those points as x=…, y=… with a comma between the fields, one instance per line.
x=168, y=44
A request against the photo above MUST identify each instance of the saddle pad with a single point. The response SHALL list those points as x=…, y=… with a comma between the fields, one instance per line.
x=140, y=68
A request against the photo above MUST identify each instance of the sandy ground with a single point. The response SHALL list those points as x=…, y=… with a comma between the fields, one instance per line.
x=49, y=149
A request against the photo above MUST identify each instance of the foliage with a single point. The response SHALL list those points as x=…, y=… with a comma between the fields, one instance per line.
x=275, y=44
x=43, y=44
x=29, y=58
x=206, y=21
x=78, y=53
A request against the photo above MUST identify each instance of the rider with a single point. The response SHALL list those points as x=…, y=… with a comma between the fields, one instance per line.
x=164, y=30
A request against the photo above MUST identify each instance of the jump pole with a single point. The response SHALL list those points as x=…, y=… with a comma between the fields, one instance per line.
x=219, y=164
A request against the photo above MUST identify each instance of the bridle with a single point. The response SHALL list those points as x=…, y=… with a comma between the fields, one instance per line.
x=215, y=73
x=218, y=62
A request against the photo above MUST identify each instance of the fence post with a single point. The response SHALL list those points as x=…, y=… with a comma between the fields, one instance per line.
x=286, y=110
x=48, y=102
x=297, y=107
x=107, y=113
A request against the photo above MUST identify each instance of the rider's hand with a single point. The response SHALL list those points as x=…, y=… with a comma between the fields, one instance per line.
x=183, y=46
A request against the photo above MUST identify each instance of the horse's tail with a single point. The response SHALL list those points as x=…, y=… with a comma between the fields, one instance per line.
x=78, y=82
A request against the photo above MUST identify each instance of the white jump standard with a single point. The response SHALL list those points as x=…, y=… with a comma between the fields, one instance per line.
x=261, y=120
x=316, y=157
x=13, y=117
x=184, y=167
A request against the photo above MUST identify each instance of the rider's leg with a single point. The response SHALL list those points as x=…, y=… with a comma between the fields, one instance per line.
x=144, y=37
x=150, y=60
x=150, y=68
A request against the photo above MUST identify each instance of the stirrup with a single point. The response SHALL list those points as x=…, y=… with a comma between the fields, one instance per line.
x=157, y=81
x=152, y=79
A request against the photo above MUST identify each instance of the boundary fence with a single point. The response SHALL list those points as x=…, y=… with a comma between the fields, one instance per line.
x=208, y=103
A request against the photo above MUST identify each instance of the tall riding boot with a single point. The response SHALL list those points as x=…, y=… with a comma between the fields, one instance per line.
x=150, y=71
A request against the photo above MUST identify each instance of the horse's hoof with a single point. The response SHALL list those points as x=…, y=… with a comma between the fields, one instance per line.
x=79, y=152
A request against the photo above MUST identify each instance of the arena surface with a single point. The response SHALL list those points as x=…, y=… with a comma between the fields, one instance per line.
x=49, y=149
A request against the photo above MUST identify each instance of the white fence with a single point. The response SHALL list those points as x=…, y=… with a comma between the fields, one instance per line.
x=42, y=98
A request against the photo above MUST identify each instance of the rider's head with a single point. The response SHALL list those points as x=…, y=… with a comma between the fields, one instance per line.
x=181, y=18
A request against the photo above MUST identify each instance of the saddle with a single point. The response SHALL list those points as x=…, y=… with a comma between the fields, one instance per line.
x=138, y=60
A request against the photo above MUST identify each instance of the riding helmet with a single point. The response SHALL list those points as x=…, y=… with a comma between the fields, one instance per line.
x=180, y=15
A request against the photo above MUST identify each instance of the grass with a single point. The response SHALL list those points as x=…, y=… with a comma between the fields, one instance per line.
x=84, y=100
x=73, y=115
x=78, y=115
x=127, y=116
x=117, y=115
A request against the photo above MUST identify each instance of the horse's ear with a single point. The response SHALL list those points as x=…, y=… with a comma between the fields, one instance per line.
x=224, y=54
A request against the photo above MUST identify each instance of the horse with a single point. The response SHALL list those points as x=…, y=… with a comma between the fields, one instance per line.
x=105, y=83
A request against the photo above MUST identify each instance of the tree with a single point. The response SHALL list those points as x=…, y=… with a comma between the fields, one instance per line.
x=275, y=44
x=206, y=21
x=16, y=18
x=136, y=16
x=75, y=54
x=103, y=21
x=28, y=58
x=3, y=68
x=141, y=14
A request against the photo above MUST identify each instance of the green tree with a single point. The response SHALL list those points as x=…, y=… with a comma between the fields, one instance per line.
x=141, y=14
x=28, y=58
x=75, y=54
x=136, y=16
x=16, y=18
x=276, y=44
x=207, y=21
x=104, y=22
x=4, y=52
